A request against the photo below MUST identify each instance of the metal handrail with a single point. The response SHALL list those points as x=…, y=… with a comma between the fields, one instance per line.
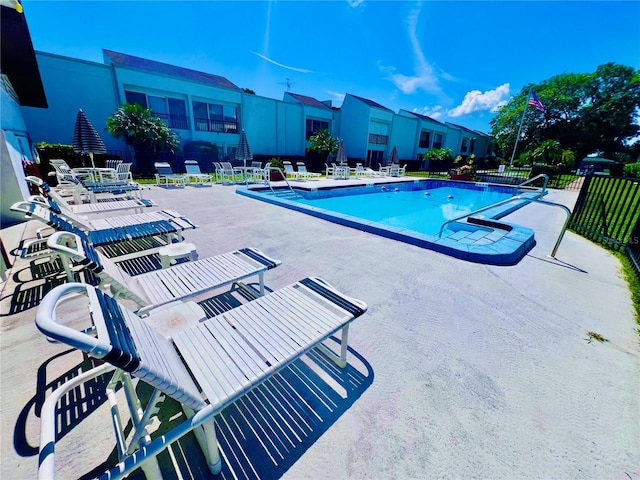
x=268, y=179
x=507, y=200
x=515, y=197
x=544, y=185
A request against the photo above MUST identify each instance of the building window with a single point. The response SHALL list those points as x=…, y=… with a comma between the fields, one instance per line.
x=212, y=117
x=313, y=126
x=378, y=139
x=437, y=140
x=135, y=97
x=472, y=145
x=172, y=111
x=463, y=148
x=425, y=137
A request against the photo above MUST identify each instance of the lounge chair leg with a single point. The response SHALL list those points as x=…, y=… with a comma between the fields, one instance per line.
x=206, y=437
x=261, y=277
x=339, y=360
x=344, y=347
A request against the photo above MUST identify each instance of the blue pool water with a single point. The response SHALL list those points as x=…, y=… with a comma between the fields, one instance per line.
x=422, y=211
x=413, y=212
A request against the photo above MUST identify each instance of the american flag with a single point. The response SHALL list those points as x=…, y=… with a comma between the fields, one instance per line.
x=534, y=101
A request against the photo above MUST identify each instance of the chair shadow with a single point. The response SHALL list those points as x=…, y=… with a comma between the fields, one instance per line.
x=73, y=407
x=267, y=430
x=28, y=295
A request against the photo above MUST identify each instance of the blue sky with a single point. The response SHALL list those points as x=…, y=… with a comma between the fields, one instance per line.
x=455, y=61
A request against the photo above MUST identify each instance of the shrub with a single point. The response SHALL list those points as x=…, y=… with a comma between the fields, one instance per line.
x=277, y=162
x=632, y=170
x=539, y=168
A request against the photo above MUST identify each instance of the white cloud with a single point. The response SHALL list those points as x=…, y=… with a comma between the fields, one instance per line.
x=355, y=3
x=295, y=69
x=476, y=101
x=336, y=96
x=424, y=77
x=436, y=112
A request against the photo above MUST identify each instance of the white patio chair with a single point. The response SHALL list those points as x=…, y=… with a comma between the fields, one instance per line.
x=228, y=172
x=329, y=170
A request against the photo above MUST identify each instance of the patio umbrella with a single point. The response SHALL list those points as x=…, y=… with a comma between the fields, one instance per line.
x=393, y=156
x=341, y=156
x=243, y=152
x=86, y=139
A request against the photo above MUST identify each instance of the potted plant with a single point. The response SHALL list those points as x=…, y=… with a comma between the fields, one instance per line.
x=276, y=175
x=465, y=170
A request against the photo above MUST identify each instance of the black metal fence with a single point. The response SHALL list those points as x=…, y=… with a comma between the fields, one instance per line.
x=608, y=211
x=563, y=181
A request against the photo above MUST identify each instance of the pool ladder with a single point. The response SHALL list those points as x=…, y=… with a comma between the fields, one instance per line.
x=537, y=199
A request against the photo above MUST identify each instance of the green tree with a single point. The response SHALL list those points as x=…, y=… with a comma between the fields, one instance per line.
x=324, y=143
x=584, y=112
x=548, y=152
x=438, y=154
x=141, y=130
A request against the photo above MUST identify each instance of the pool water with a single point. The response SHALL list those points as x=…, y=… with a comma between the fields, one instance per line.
x=423, y=211
x=413, y=212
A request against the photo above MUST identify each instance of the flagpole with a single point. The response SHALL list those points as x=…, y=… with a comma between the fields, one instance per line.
x=519, y=130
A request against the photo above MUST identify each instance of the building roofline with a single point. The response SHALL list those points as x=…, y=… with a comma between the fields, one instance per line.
x=371, y=103
x=124, y=60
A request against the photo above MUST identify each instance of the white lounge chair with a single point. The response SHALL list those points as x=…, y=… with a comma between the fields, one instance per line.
x=106, y=222
x=289, y=172
x=164, y=173
x=158, y=287
x=168, y=229
x=205, y=366
x=368, y=172
x=194, y=173
x=59, y=203
x=304, y=173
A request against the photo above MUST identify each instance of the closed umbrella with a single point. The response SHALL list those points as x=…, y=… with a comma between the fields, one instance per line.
x=393, y=156
x=341, y=156
x=86, y=139
x=243, y=152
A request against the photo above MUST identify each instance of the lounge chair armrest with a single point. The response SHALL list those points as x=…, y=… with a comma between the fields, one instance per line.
x=48, y=423
x=62, y=241
x=47, y=324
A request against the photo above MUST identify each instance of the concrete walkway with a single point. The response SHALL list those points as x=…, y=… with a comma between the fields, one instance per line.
x=459, y=370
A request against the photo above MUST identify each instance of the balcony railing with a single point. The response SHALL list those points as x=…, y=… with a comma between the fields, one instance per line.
x=206, y=125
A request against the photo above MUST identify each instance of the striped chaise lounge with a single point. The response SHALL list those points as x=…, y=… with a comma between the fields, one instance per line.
x=159, y=287
x=205, y=366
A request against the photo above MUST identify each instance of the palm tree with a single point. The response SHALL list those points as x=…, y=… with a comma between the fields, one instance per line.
x=324, y=143
x=549, y=151
x=141, y=130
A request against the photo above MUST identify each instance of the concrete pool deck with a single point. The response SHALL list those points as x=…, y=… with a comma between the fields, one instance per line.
x=458, y=369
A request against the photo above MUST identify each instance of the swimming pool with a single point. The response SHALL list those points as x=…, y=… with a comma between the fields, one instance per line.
x=414, y=211
x=423, y=211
